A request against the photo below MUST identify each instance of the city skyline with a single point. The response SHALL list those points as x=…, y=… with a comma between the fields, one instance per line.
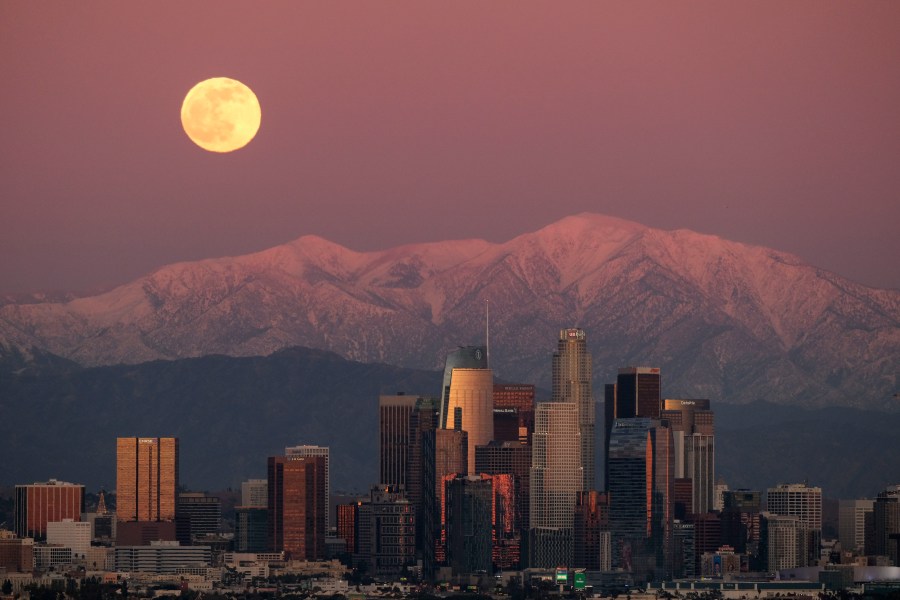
x=772, y=124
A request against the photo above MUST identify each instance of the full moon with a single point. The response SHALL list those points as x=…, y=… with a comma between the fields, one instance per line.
x=220, y=114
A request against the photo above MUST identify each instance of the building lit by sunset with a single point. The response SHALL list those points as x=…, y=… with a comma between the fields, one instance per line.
x=146, y=478
x=40, y=503
x=556, y=479
x=472, y=395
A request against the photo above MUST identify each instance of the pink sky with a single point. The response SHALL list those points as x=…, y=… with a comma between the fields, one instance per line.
x=773, y=123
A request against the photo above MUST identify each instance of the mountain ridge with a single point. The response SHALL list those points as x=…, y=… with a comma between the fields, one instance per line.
x=725, y=320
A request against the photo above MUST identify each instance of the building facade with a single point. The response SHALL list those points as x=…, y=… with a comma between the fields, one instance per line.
x=693, y=431
x=297, y=506
x=146, y=478
x=519, y=396
x=573, y=382
x=467, y=357
x=71, y=534
x=472, y=396
x=641, y=487
x=254, y=492
x=886, y=524
x=40, y=503
x=556, y=478
x=386, y=532
x=852, y=524
x=804, y=502
x=325, y=454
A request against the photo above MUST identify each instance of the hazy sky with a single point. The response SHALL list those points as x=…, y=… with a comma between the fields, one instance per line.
x=773, y=123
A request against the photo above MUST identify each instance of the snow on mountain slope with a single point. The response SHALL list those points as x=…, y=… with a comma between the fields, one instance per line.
x=724, y=320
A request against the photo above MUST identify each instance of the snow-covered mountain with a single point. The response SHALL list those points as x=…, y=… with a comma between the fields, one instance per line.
x=724, y=320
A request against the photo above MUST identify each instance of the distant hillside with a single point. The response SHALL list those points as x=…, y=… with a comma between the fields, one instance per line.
x=726, y=321
x=231, y=413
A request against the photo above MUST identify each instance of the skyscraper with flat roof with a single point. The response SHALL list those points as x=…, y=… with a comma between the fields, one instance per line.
x=254, y=493
x=636, y=393
x=394, y=419
x=519, y=396
x=323, y=452
x=694, y=436
x=572, y=382
x=297, y=506
x=804, y=502
x=556, y=478
x=146, y=478
x=886, y=522
x=40, y=503
x=641, y=487
x=852, y=524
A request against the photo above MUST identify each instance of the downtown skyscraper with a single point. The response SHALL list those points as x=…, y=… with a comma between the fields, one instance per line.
x=572, y=383
x=467, y=397
x=556, y=479
x=146, y=489
x=146, y=478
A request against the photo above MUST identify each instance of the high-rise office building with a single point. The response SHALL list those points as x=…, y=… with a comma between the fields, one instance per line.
x=446, y=454
x=196, y=515
x=297, y=506
x=406, y=456
x=146, y=478
x=40, y=503
x=784, y=542
x=254, y=492
x=572, y=382
x=467, y=357
x=741, y=521
x=386, y=531
x=468, y=504
x=886, y=524
x=556, y=478
x=519, y=396
x=347, y=524
x=251, y=529
x=394, y=419
x=692, y=424
x=506, y=424
x=593, y=547
x=852, y=524
x=804, y=502
x=684, y=562
x=636, y=393
x=472, y=396
x=641, y=486
x=512, y=458
x=323, y=452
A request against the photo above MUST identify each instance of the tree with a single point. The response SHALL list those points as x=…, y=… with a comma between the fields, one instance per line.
x=7, y=587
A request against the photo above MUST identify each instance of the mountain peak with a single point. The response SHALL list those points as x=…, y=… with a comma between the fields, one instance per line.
x=724, y=320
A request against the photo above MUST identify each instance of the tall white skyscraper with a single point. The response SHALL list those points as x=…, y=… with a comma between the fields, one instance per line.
x=804, y=502
x=572, y=383
x=556, y=478
x=304, y=451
